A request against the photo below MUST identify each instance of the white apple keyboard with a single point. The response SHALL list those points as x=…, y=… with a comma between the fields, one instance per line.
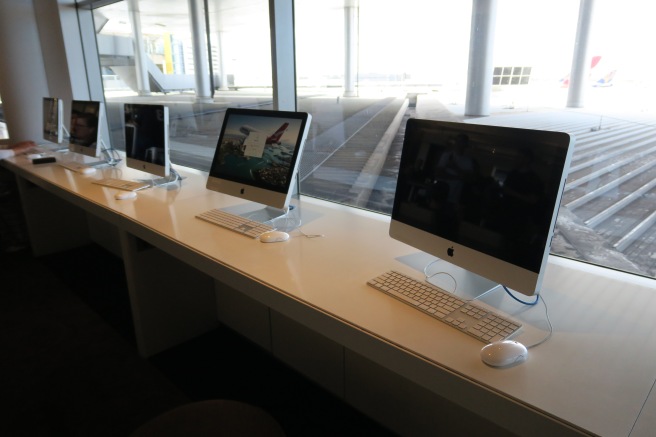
x=77, y=167
x=468, y=317
x=122, y=184
x=235, y=223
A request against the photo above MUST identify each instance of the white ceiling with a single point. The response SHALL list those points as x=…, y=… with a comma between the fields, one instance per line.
x=172, y=16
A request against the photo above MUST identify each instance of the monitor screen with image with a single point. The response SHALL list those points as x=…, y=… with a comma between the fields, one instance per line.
x=483, y=198
x=53, y=112
x=147, y=138
x=257, y=155
x=86, y=117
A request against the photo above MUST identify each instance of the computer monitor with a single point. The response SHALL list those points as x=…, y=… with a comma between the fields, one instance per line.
x=86, y=116
x=483, y=198
x=53, y=113
x=147, y=138
x=257, y=155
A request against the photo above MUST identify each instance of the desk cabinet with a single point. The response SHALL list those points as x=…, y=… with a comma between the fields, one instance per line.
x=53, y=224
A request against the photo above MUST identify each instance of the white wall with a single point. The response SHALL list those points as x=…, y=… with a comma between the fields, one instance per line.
x=52, y=42
x=48, y=48
x=23, y=82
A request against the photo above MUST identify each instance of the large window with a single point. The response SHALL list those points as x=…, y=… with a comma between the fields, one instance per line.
x=365, y=66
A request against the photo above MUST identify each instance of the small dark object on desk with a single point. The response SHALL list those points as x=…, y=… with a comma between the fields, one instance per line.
x=46, y=160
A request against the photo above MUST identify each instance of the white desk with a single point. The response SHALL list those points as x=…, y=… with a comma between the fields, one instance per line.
x=306, y=300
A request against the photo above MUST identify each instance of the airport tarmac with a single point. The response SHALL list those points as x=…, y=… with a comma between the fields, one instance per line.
x=354, y=145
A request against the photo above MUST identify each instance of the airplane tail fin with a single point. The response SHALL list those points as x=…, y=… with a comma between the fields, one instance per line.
x=275, y=138
x=607, y=79
x=564, y=81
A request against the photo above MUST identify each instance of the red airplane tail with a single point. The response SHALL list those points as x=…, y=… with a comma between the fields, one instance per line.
x=564, y=81
x=275, y=138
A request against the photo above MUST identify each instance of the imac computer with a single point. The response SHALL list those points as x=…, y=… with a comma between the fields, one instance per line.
x=85, y=129
x=53, y=113
x=147, y=138
x=482, y=199
x=257, y=157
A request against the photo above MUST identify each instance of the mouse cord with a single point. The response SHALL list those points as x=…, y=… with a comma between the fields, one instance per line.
x=427, y=277
x=538, y=298
x=546, y=313
x=298, y=228
x=309, y=235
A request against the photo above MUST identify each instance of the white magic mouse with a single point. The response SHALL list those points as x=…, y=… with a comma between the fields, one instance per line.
x=87, y=170
x=125, y=195
x=504, y=353
x=274, y=236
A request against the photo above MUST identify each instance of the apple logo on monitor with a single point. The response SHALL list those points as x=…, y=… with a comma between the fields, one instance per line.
x=449, y=251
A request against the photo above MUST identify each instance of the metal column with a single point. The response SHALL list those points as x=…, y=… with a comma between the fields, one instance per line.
x=580, y=62
x=351, y=13
x=283, y=62
x=140, y=57
x=481, y=44
x=198, y=35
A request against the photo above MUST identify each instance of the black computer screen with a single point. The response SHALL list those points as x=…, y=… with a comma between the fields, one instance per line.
x=491, y=189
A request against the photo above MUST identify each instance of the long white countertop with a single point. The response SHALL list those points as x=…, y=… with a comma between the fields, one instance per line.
x=596, y=371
